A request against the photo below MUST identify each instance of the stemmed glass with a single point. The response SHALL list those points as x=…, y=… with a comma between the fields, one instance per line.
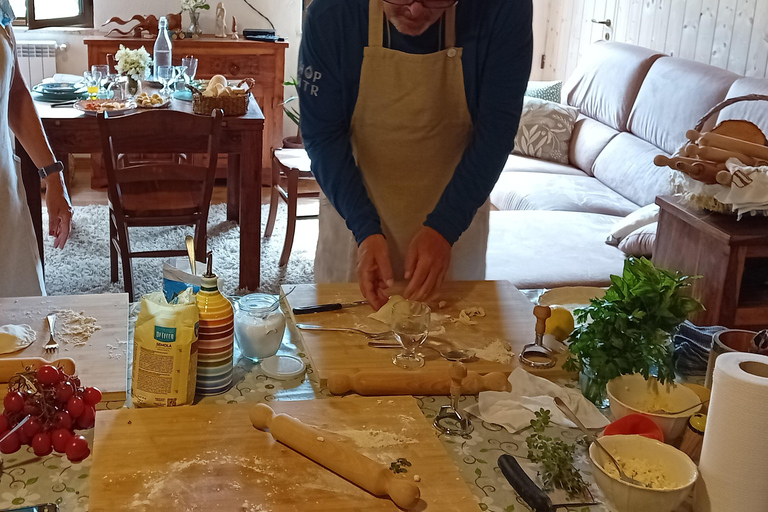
x=165, y=76
x=105, y=76
x=93, y=83
x=410, y=325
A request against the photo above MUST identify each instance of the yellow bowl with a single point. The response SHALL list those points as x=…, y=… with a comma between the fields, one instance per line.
x=631, y=394
x=680, y=471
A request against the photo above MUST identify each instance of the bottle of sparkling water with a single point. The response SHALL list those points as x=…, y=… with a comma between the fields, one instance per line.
x=162, y=52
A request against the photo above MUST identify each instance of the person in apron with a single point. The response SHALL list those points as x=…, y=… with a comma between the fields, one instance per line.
x=404, y=163
x=19, y=257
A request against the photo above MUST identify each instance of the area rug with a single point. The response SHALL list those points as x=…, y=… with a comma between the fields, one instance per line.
x=83, y=265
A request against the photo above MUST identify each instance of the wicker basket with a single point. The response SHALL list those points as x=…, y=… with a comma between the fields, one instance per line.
x=704, y=201
x=230, y=105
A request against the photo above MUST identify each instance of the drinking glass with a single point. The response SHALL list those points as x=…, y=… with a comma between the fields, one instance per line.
x=93, y=83
x=190, y=63
x=179, y=80
x=106, y=79
x=165, y=75
x=410, y=325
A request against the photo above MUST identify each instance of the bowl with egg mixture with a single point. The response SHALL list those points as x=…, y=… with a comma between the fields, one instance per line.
x=667, y=473
x=632, y=394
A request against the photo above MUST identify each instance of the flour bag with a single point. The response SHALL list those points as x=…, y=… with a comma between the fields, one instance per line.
x=165, y=351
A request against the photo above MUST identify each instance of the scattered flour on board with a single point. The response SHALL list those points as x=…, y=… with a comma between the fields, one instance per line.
x=74, y=328
x=372, y=438
x=497, y=351
x=248, y=507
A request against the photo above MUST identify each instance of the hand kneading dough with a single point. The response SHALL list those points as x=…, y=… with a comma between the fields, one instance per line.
x=16, y=337
x=384, y=315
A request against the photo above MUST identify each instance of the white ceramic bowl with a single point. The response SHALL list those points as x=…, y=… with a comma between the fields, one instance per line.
x=681, y=472
x=631, y=394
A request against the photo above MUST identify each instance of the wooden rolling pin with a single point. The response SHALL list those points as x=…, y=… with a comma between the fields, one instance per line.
x=342, y=460
x=373, y=383
x=718, y=155
x=11, y=366
x=730, y=144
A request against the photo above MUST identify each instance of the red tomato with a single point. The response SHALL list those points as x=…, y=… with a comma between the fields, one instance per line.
x=48, y=375
x=11, y=444
x=75, y=406
x=60, y=438
x=63, y=375
x=32, y=427
x=13, y=402
x=77, y=449
x=23, y=438
x=62, y=420
x=88, y=418
x=41, y=444
x=3, y=423
x=92, y=396
x=64, y=391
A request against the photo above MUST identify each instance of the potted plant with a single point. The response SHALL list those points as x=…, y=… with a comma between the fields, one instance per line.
x=193, y=7
x=294, y=141
x=133, y=64
x=630, y=329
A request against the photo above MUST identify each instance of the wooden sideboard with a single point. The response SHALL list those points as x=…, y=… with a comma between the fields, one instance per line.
x=235, y=59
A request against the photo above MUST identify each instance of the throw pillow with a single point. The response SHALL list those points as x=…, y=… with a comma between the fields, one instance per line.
x=637, y=219
x=549, y=91
x=545, y=130
x=640, y=242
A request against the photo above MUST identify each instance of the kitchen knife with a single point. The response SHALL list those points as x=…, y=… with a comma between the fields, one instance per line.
x=322, y=308
x=527, y=489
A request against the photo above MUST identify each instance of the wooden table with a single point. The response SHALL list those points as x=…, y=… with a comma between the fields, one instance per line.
x=71, y=131
x=731, y=257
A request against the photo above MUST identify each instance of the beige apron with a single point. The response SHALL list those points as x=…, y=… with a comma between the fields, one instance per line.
x=22, y=273
x=409, y=131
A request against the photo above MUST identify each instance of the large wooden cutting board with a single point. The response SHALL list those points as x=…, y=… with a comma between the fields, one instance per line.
x=210, y=457
x=102, y=362
x=509, y=318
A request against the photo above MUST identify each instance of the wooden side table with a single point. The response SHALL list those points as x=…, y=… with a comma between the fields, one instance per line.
x=730, y=255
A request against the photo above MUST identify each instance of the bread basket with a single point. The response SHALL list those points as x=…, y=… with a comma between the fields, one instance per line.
x=230, y=105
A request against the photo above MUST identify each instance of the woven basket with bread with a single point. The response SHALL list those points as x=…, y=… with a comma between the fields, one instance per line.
x=716, y=167
x=232, y=100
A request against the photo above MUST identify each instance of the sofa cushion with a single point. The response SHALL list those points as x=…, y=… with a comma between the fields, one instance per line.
x=550, y=90
x=675, y=94
x=606, y=81
x=589, y=138
x=626, y=166
x=754, y=111
x=519, y=163
x=545, y=130
x=542, y=249
x=641, y=241
x=535, y=191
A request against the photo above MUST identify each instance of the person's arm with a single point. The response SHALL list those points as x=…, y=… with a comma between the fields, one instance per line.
x=28, y=129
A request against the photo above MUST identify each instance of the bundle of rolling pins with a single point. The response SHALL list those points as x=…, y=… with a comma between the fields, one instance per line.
x=704, y=156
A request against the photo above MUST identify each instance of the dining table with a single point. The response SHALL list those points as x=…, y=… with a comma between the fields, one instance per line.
x=71, y=131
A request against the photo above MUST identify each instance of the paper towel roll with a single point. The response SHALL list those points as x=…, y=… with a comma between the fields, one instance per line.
x=734, y=456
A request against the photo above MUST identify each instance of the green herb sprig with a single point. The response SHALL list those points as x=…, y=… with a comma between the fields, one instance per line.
x=555, y=457
x=629, y=330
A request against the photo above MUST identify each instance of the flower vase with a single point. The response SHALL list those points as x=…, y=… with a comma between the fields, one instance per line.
x=592, y=389
x=132, y=88
x=194, y=26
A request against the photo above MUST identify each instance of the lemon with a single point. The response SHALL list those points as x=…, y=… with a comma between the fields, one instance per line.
x=560, y=324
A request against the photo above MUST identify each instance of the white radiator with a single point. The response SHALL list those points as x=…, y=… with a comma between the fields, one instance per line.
x=37, y=60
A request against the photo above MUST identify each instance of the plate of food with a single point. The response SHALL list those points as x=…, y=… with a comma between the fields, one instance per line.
x=114, y=107
x=144, y=100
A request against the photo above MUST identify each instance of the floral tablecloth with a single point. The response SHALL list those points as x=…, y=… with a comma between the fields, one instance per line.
x=28, y=480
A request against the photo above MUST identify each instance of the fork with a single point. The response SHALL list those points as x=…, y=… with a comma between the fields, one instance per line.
x=51, y=346
x=370, y=335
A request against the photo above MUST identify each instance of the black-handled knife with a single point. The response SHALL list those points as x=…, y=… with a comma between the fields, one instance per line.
x=322, y=308
x=528, y=490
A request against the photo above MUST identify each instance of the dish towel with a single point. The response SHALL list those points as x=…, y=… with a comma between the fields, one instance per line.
x=515, y=409
x=692, y=346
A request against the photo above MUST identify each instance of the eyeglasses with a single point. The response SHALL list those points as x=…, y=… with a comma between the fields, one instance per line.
x=429, y=4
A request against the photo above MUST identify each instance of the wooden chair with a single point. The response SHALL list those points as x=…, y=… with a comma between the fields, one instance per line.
x=293, y=165
x=156, y=192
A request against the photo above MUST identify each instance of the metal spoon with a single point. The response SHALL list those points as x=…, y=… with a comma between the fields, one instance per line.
x=675, y=413
x=454, y=354
x=190, y=241
x=592, y=439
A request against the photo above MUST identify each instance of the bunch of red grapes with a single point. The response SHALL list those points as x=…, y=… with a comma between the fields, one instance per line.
x=57, y=406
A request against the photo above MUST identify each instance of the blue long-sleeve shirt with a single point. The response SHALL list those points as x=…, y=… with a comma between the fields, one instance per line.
x=497, y=43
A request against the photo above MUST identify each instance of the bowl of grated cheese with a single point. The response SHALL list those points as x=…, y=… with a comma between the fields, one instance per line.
x=667, y=473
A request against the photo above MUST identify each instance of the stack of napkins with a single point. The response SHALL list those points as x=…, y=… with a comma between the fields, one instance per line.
x=748, y=194
x=514, y=410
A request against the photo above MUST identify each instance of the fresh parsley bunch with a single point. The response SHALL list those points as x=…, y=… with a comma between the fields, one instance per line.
x=629, y=330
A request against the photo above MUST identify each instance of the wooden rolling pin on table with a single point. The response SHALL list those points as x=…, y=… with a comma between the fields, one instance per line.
x=386, y=383
x=345, y=462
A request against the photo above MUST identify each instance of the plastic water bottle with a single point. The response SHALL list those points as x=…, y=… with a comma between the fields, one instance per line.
x=162, y=52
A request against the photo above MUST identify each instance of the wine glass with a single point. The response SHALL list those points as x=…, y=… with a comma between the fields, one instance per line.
x=190, y=63
x=165, y=75
x=105, y=76
x=410, y=325
x=93, y=83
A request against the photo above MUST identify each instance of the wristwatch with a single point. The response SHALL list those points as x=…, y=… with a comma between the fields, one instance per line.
x=51, y=169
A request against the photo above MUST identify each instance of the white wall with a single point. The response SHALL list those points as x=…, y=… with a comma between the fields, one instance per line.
x=285, y=14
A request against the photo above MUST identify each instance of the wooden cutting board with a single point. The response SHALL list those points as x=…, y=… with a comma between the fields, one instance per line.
x=102, y=361
x=210, y=457
x=509, y=318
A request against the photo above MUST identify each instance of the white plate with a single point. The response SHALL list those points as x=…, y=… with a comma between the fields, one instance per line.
x=124, y=108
